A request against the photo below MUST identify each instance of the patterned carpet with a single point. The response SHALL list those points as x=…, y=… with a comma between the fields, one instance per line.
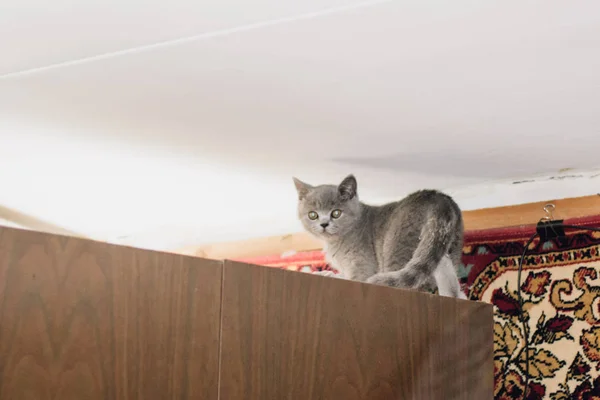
x=561, y=290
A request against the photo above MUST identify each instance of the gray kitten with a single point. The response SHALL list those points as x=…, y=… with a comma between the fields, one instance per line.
x=415, y=243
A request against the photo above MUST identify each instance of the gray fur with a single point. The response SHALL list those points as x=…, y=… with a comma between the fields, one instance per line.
x=399, y=244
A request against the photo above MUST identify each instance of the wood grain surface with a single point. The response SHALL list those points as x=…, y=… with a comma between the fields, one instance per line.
x=87, y=320
x=288, y=335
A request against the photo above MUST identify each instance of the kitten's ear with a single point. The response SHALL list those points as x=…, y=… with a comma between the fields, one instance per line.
x=347, y=189
x=302, y=188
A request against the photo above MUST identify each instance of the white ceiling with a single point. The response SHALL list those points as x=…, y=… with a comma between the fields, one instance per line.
x=168, y=123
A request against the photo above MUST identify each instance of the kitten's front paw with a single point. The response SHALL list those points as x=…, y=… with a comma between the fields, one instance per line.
x=325, y=273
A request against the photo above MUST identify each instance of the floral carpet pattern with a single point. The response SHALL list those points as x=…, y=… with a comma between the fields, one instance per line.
x=561, y=303
x=561, y=293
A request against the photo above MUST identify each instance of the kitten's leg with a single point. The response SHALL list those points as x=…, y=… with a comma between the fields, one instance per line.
x=436, y=234
x=447, y=280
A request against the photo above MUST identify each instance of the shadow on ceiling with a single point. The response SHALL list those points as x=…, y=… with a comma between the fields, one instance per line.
x=472, y=166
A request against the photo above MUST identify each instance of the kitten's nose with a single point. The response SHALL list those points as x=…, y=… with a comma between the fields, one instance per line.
x=325, y=225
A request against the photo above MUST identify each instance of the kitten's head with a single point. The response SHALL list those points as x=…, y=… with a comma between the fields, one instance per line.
x=328, y=211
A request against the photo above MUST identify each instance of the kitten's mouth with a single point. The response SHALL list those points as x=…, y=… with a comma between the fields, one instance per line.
x=323, y=232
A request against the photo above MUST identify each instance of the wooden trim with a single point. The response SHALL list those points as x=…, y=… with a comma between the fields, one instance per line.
x=530, y=213
x=486, y=218
x=255, y=247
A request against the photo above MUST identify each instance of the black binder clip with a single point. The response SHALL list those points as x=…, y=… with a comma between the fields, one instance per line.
x=548, y=228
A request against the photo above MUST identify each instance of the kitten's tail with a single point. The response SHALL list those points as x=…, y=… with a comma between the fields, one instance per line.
x=438, y=235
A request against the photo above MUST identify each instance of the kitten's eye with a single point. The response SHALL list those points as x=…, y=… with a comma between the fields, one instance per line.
x=313, y=215
x=336, y=213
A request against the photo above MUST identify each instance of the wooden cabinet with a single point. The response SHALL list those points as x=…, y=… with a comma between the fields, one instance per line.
x=88, y=320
